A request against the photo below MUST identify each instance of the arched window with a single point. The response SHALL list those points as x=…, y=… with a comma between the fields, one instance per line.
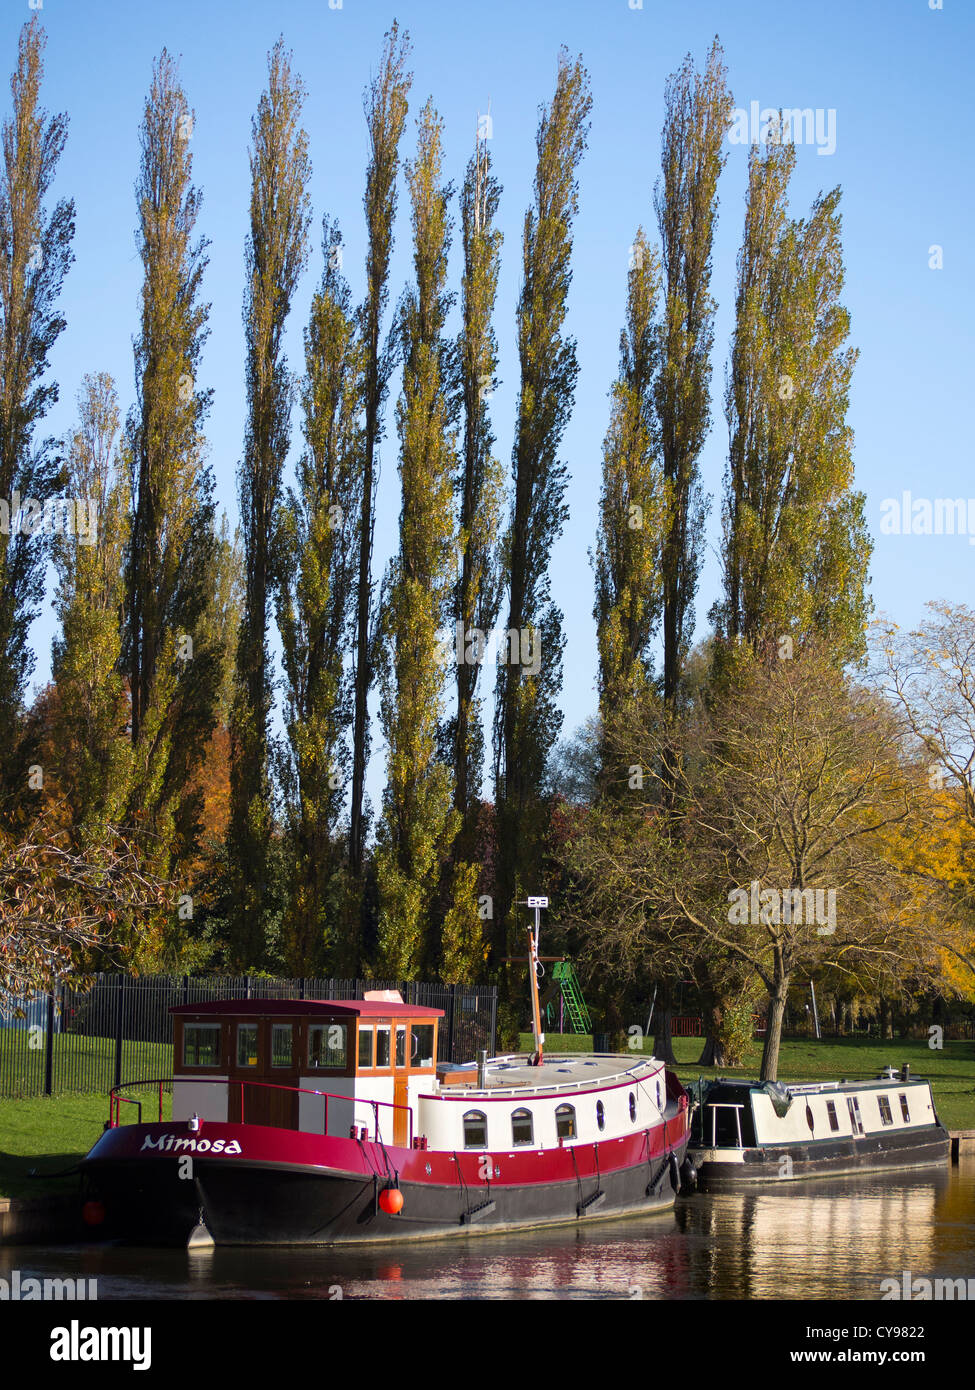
x=565, y=1121
x=600, y=1115
x=475, y=1130
x=633, y=1107
x=522, y=1129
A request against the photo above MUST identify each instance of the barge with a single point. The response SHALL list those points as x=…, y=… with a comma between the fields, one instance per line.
x=331, y=1122
x=746, y=1132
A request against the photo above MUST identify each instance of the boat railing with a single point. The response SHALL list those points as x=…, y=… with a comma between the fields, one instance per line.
x=585, y=1084
x=115, y=1100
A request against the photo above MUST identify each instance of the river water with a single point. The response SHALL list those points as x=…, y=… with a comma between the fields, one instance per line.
x=813, y=1240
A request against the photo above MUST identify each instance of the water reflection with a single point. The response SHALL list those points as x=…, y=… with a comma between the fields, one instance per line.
x=810, y=1240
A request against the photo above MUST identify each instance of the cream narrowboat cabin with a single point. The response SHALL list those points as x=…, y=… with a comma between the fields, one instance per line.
x=745, y=1132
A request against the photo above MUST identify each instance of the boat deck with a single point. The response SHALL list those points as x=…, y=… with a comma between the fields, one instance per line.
x=575, y=1072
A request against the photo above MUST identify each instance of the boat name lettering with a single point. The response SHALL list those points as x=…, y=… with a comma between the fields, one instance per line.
x=173, y=1143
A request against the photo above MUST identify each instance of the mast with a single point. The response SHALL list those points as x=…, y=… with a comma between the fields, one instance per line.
x=535, y=969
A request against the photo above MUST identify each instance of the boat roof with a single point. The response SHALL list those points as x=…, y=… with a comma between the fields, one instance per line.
x=578, y=1071
x=328, y=1008
x=801, y=1088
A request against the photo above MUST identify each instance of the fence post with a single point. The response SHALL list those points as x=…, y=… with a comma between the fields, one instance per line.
x=120, y=986
x=450, y=1022
x=49, y=1047
x=301, y=988
x=494, y=1022
x=186, y=990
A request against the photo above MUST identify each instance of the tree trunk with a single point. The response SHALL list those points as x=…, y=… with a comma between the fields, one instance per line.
x=886, y=1027
x=773, y=1028
x=663, y=1047
x=713, y=1053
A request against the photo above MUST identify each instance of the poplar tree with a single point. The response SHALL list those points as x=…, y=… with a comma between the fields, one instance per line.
x=480, y=480
x=275, y=257
x=418, y=822
x=631, y=504
x=174, y=670
x=527, y=718
x=92, y=706
x=697, y=114
x=317, y=532
x=385, y=108
x=35, y=253
x=795, y=547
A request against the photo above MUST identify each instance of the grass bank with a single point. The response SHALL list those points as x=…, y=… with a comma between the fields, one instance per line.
x=47, y=1134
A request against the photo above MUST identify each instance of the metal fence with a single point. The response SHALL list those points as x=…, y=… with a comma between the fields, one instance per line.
x=121, y=1029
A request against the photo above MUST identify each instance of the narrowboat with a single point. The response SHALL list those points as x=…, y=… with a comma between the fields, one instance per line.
x=749, y=1132
x=331, y=1121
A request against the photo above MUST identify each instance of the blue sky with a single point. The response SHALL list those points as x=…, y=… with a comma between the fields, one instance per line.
x=896, y=73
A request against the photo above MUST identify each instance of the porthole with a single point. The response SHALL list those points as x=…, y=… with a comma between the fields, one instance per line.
x=633, y=1107
x=600, y=1115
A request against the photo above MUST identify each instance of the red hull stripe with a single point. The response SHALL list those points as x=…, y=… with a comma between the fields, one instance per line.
x=263, y=1144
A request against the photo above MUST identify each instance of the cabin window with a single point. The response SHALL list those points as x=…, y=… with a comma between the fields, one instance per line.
x=633, y=1107
x=905, y=1109
x=421, y=1043
x=326, y=1045
x=522, y=1130
x=247, y=1044
x=853, y=1106
x=365, y=1047
x=280, y=1044
x=201, y=1045
x=834, y=1123
x=600, y=1115
x=565, y=1121
x=886, y=1118
x=475, y=1130
x=401, y=1044
x=382, y=1045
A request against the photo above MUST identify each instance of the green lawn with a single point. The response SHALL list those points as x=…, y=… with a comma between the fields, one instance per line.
x=951, y=1069
x=50, y=1133
x=80, y=1064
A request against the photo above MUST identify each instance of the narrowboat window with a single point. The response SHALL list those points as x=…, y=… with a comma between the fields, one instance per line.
x=834, y=1123
x=280, y=1044
x=421, y=1041
x=475, y=1130
x=365, y=1047
x=633, y=1107
x=886, y=1118
x=522, y=1129
x=401, y=1044
x=201, y=1045
x=853, y=1105
x=905, y=1109
x=565, y=1121
x=247, y=1044
x=326, y=1045
x=382, y=1045
x=600, y=1114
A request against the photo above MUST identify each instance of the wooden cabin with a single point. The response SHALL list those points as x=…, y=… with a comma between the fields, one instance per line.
x=335, y=1066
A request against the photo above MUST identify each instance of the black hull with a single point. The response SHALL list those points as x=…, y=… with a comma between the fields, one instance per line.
x=253, y=1204
x=825, y=1158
